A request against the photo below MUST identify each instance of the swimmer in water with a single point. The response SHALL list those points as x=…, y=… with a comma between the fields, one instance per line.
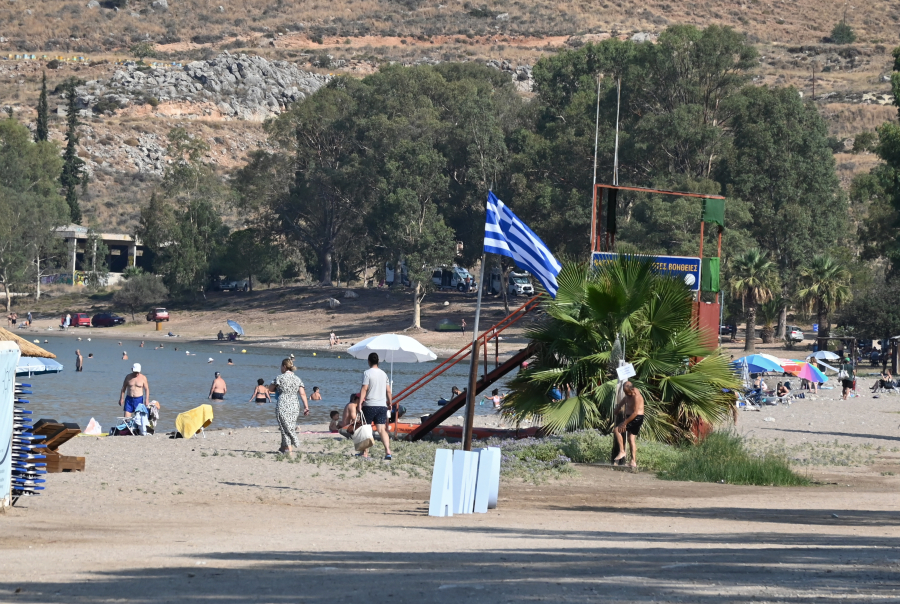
x=124, y=355
x=230, y=362
x=90, y=355
x=142, y=343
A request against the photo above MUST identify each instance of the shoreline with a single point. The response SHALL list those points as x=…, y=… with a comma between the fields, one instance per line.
x=276, y=342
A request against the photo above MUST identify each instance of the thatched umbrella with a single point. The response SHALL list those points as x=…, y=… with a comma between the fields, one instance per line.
x=28, y=349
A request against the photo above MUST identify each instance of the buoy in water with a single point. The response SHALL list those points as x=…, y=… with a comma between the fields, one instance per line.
x=243, y=351
x=314, y=354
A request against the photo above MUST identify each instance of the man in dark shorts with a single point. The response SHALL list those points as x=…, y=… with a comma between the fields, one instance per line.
x=374, y=402
x=218, y=389
x=633, y=406
x=848, y=382
x=79, y=361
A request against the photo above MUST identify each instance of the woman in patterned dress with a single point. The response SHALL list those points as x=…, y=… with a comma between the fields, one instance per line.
x=288, y=386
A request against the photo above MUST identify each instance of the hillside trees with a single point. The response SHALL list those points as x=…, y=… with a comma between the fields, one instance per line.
x=182, y=224
x=71, y=175
x=30, y=204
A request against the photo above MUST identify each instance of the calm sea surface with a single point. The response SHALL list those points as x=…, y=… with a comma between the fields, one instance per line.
x=181, y=381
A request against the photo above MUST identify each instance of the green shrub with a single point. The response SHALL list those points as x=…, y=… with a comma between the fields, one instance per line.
x=864, y=142
x=143, y=49
x=722, y=457
x=843, y=34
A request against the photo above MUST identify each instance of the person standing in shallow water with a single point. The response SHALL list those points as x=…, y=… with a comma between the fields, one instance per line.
x=79, y=361
x=288, y=386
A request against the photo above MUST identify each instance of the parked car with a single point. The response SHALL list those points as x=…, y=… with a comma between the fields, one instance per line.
x=725, y=330
x=234, y=286
x=106, y=319
x=158, y=314
x=80, y=319
x=519, y=285
x=794, y=334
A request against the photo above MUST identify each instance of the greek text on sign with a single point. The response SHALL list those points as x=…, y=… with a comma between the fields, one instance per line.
x=625, y=371
x=675, y=266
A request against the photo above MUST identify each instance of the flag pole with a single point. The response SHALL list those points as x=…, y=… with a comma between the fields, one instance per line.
x=473, y=367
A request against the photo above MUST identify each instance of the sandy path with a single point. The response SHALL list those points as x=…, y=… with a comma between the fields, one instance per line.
x=219, y=520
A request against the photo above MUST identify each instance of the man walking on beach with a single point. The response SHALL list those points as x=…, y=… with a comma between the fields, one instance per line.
x=79, y=361
x=375, y=400
x=633, y=405
x=135, y=390
x=848, y=378
x=218, y=389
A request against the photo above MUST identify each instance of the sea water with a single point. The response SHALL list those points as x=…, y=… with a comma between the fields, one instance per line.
x=180, y=375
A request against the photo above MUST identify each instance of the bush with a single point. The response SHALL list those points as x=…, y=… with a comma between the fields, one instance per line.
x=53, y=64
x=722, y=457
x=843, y=34
x=864, y=142
x=143, y=49
x=106, y=104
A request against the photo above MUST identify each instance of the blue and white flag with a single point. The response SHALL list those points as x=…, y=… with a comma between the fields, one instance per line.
x=506, y=235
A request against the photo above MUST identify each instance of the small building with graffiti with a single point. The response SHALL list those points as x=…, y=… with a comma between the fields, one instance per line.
x=123, y=251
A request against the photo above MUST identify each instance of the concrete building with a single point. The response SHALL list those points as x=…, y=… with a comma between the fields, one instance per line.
x=124, y=251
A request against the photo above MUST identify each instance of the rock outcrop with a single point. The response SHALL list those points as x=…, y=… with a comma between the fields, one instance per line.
x=240, y=86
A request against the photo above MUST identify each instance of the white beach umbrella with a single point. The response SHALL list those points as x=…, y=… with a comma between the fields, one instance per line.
x=393, y=347
x=826, y=356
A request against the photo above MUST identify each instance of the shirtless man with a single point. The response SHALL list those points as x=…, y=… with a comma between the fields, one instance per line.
x=135, y=390
x=349, y=416
x=316, y=395
x=124, y=356
x=218, y=389
x=79, y=361
x=633, y=405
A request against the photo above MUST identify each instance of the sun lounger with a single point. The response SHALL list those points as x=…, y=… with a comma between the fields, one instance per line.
x=55, y=435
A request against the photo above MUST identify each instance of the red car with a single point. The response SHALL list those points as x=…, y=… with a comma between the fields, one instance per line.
x=79, y=319
x=158, y=314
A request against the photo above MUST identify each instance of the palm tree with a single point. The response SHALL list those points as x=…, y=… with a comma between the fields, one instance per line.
x=623, y=310
x=752, y=284
x=824, y=285
x=769, y=312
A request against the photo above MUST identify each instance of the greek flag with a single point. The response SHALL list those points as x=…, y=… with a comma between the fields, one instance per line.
x=506, y=235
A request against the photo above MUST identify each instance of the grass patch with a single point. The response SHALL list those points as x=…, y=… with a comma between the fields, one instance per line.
x=722, y=457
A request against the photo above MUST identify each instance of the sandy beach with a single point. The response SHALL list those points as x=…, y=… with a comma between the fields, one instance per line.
x=221, y=519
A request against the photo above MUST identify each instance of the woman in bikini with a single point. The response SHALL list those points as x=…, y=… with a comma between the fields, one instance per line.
x=261, y=394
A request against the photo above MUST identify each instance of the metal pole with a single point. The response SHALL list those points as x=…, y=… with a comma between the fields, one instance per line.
x=596, y=144
x=616, y=153
x=473, y=368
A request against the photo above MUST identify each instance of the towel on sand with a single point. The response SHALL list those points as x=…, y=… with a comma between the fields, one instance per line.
x=190, y=422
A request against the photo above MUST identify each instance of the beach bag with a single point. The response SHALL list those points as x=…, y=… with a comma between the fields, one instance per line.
x=362, y=436
x=843, y=375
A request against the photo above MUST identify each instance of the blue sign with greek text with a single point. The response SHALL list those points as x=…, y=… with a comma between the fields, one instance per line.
x=674, y=266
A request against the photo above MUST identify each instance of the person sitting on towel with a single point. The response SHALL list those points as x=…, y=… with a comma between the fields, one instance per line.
x=348, y=419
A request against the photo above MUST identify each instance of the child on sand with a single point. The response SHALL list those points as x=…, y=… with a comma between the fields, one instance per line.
x=335, y=424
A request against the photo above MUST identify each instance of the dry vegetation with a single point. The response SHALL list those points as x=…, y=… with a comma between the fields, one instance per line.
x=73, y=27
x=365, y=33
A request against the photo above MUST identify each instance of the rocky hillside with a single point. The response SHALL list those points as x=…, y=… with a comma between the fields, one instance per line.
x=220, y=69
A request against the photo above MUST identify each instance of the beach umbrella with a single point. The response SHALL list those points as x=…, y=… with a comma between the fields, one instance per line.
x=37, y=366
x=236, y=327
x=758, y=363
x=394, y=348
x=791, y=366
x=826, y=355
x=808, y=372
x=26, y=347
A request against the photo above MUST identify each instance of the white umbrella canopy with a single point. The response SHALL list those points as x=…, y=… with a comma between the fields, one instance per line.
x=37, y=366
x=394, y=348
x=825, y=356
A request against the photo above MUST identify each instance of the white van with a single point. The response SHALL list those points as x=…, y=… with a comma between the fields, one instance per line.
x=454, y=277
x=520, y=285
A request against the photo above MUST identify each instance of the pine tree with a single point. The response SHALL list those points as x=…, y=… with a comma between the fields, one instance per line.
x=42, y=125
x=72, y=164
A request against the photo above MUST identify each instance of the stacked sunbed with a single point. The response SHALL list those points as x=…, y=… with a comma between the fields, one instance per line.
x=28, y=459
